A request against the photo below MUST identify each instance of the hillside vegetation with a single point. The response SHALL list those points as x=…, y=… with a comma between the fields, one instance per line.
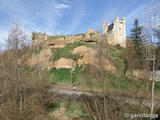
x=81, y=74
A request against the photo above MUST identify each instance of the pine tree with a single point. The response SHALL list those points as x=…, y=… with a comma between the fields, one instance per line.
x=137, y=38
x=136, y=34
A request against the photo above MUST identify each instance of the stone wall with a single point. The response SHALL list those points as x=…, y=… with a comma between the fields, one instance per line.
x=92, y=34
x=115, y=32
x=60, y=42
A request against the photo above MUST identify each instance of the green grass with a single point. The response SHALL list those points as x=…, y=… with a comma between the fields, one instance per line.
x=115, y=57
x=61, y=75
x=157, y=86
x=120, y=65
x=76, y=74
x=114, y=52
x=73, y=109
x=124, y=84
x=86, y=79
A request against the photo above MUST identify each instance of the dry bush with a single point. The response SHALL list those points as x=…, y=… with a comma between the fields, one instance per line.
x=22, y=95
x=60, y=114
x=35, y=100
x=109, y=109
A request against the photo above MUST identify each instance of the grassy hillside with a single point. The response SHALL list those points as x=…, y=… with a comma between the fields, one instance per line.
x=86, y=75
x=82, y=74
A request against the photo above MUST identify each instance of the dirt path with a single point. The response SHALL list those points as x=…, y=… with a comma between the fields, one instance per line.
x=79, y=88
x=68, y=90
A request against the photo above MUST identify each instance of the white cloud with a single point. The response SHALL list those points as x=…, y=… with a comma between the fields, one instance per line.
x=62, y=6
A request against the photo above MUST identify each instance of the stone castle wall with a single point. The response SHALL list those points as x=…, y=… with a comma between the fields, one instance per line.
x=61, y=41
x=116, y=32
x=92, y=34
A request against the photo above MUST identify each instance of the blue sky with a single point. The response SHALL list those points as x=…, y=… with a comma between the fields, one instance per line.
x=67, y=16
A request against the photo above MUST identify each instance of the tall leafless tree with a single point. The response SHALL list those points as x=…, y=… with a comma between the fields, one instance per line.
x=17, y=40
x=24, y=95
x=151, y=26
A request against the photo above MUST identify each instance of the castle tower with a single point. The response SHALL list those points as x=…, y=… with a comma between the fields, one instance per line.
x=38, y=38
x=124, y=31
x=116, y=31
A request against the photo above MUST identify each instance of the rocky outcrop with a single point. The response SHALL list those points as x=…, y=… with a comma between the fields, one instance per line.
x=61, y=42
x=64, y=63
x=87, y=55
x=103, y=63
x=82, y=50
x=136, y=73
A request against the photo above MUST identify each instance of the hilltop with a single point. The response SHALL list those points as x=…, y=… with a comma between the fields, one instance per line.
x=69, y=58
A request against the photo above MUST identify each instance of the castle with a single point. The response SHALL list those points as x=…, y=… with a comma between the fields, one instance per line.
x=116, y=32
x=38, y=38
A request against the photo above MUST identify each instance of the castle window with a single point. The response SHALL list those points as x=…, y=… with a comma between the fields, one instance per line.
x=119, y=28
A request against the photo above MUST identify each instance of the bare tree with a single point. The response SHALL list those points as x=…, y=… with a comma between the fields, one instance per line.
x=151, y=26
x=17, y=40
x=24, y=96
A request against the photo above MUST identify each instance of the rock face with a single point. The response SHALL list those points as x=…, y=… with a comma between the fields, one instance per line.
x=138, y=74
x=61, y=42
x=86, y=59
x=82, y=50
x=88, y=56
x=64, y=63
x=103, y=63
